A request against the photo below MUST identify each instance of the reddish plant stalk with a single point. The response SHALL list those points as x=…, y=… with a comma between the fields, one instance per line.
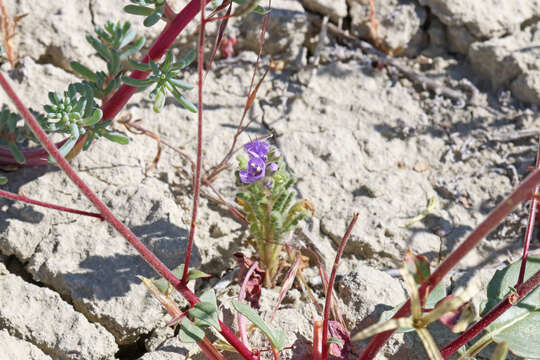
x=146, y=254
x=523, y=192
x=325, y=346
x=197, y=179
x=25, y=199
x=530, y=227
x=522, y=291
x=120, y=98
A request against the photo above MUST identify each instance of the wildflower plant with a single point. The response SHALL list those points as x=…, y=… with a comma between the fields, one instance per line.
x=267, y=200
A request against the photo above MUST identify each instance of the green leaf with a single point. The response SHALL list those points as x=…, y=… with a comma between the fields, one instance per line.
x=196, y=274
x=152, y=19
x=137, y=82
x=179, y=83
x=17, y=154
x=3, y=180
x=114, y=65
x=137, y=65
x=116, y=137
x=519, y=326
x=65, y=149
x=205, y=314
x=159, y=101
x=138, y=10
x=189, y=332
x=188, y=59
x=99, y=47
x=127, y=37
x=83, y=70
x=181, y=99
x=276, y=336
x=133, y=49
x=92, y=120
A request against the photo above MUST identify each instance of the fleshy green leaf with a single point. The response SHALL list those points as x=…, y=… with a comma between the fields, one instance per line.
x=83, y=70
x=138, y=10
x=205, y=314
x=137, y=82
x=17, y=154
x=255, y=8
x=152, y=19
x=276, y=336
x=137, y=65
x=116, y=137
x=181, y=99
x=3, y=180
x=133, y=49
x=92, y=120
x=189, y=332
x=65, y=149
x=99, y=47
x=188, y=59
x=159, y=101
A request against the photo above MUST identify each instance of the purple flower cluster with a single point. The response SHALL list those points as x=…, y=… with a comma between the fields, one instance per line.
x=257, y=168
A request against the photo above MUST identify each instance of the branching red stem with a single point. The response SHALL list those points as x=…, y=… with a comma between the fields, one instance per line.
x=146, y=254
x=522, y=291
x=523, y=192
x=328, y=304
x=25, y=199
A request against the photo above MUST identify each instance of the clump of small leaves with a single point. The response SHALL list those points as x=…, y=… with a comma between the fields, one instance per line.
x=267, y=200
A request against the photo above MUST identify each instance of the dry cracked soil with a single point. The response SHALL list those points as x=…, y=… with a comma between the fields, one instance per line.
x=358, y=135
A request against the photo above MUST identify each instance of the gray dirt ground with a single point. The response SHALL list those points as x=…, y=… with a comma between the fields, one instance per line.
x=357, y=136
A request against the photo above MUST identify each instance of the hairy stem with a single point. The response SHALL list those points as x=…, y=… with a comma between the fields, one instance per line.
x=523, y=192
x=325, y=346
x=146, y=254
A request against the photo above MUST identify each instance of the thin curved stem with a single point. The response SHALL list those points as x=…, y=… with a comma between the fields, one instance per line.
x=25, y=199
x=330, y=288
x=197, y=179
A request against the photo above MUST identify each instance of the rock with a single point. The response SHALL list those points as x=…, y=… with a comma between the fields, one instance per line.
x=285, y=35
x=399, y=24
x=53, y=32
x=13, y=348
x=40, y=316
x=504, y=60
x=336, y=10
x=527, y=87
x=171, y=349
x=3, y=268
x=481, y=20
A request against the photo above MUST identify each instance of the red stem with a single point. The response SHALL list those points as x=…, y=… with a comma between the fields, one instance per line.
x=530, y=228
x=25, y=199
x=120, y=98
x=146, y=254
x=522, y=291
x=197, y=180
x=523, y=192
x=326, y=318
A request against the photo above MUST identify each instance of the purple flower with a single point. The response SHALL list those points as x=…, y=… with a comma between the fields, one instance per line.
x=272, y=168
x=257, y=149
x=276, y=153
x=255, y=171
